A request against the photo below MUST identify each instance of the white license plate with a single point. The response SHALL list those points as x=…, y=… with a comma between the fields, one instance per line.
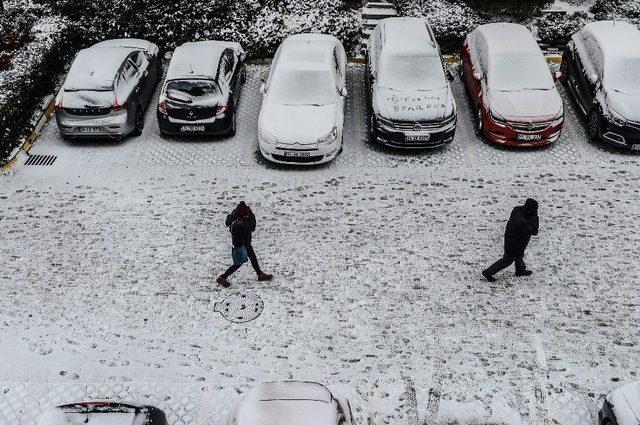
x=90, y=129
x=298, y=154
x=192, y=128
x=421, y=138
x=529, y=137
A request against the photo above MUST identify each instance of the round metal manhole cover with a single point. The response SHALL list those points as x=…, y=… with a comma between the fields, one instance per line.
x=240, y=308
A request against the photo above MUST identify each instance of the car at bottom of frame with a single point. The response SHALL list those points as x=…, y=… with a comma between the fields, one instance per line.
x=107, y=90
x=202, y=88
x=102, y=413
x=302, y=115
x=622, y=406
x=409, y=94
x=291, y=403
x=511, y=86
x=601, y=65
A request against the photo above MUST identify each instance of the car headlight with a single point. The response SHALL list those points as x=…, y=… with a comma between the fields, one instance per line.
x=559, y=119
x=496, y=118
x=267, y=137
x=617, y=119
x=331, y=137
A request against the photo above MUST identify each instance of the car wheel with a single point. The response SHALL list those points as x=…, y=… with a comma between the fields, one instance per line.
x=232, y=132
x=593, y=124
x=137, y=131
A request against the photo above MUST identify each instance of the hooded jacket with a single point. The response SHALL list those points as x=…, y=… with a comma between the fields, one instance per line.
x=242, y=229
x=522, y=224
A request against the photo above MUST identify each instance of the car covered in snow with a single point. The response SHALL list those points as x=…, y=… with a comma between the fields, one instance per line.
x=102, y=413
x=291, y=403
x=107, y=90
x=202, y=89
x=302, y=113
x=622, y=406
x=409, y=96
x=511, y=86
x=601, y=67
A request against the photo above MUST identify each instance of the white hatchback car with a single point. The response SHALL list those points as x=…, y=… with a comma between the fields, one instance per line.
x=291, y=403
x=302, y=113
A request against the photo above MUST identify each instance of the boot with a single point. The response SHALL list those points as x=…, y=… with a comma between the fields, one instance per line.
x=223, y=281
x=524, y=273
x=488, y=276
x=263, y=277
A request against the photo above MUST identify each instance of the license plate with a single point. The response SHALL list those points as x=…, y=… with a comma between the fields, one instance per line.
x=90, y=129
x=529, y=137
x=420, y=138
x=192, y=128
x=298, y=154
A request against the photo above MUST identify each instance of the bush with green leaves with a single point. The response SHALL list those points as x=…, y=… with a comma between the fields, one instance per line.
x=556, y=29
x=617, y=10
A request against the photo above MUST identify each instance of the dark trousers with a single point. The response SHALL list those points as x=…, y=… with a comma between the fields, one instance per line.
x=254, y=262
x=505, y=262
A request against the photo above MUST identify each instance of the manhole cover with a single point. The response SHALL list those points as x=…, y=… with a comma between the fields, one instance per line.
x=240, y=308
x=41, y=160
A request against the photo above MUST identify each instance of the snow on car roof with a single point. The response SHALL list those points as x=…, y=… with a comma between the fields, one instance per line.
x=306, y=53
x=135, y=43
x=96, y=68
x=198, y=59
x=408, y=36
x=618, y=39
x=506, y=39
x=626, y=403
x=292, y=390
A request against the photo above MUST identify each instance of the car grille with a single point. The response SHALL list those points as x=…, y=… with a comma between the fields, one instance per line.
x=88, y=111
x=191, y=114
x=298, y=159
x=412, y=125
x=529, y=127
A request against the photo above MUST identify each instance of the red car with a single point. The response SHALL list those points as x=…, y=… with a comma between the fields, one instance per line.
x=511, y=86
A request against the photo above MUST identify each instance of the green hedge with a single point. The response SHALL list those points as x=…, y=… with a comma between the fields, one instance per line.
x=31, y=75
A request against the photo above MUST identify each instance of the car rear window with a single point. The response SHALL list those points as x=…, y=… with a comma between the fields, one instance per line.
x=192, y=91
x=411, y=73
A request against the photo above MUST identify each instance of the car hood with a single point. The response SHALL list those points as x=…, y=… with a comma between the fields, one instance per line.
x=303, y=124
x=626, y=404
x=531, y=104
x=405, y=105
x=627, y=105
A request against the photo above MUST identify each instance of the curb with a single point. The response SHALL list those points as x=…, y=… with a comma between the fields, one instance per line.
x=27, y=142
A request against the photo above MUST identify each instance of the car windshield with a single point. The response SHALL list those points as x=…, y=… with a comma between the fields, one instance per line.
x=623, y=76
x=192, y=91
x=514, y=73
x=303, y=87
x=411, y=73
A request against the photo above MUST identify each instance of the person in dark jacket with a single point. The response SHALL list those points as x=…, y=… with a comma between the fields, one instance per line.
x=522, y=224
x=242, y=223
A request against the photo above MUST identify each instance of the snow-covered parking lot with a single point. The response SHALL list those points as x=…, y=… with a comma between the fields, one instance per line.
x=110, y=254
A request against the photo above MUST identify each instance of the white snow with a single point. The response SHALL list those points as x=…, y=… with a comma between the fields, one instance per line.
x=626, y=403
x=199, y=59
x=96, y=68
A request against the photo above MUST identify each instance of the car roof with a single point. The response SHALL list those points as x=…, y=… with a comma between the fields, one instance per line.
x=96, y=68
x=292, y=402
x=626, y=402
x=408, y=36
x=506, y=39
x=307, y=51
x=198, y=59
x=617, y=39
x=135, y=43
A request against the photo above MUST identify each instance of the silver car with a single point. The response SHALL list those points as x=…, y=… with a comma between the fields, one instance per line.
x=108, y=89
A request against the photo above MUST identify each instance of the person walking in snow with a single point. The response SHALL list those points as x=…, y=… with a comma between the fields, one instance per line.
x=522, y=224
x=242, y=223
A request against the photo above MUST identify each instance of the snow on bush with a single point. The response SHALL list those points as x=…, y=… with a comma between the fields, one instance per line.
x=617, y=10
x=451, y=20
x=557, y=29
x=30, y=76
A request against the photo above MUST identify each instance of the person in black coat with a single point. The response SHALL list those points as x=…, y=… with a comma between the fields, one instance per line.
x=242, y=223
x=522, y=224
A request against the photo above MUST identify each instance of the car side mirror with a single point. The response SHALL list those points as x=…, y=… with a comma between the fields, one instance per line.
x=343, y=91
x=263, y=88
x=450, y=75
x=168, y=55
x=593, y=78
x=477, y=76
x=557, y=75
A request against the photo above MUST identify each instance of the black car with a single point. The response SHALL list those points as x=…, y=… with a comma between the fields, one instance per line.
x=621, y=406
x=202, y=89
x=102, y=412
x=600, y=66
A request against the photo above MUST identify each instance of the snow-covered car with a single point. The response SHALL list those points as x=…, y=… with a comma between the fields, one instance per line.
x=622, y=406
x=102, y=413
x=302, y=113
x=202, y=89
x=410, y=100
x=511, y=86
x=107, y=90
x=291, y=403
x=601, y=65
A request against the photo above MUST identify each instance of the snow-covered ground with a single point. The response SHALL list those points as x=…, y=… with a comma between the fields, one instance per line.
x=109, y=259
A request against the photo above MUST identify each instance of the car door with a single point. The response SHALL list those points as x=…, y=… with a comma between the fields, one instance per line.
x=474, y=67
x=373, y=64
x=127, y=83
x=146, y=81
x=340, y=84
x=235, y=69
x=584, y=89
x=225, y=73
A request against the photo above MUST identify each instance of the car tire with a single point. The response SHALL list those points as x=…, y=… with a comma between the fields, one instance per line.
x=139, y=126
x=232, y=131
x=593, y=124
x=243, y=77
x=372, y=128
